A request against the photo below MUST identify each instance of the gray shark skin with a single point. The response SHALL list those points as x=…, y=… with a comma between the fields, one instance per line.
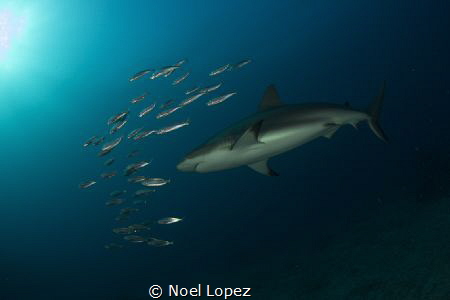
x=275, y=129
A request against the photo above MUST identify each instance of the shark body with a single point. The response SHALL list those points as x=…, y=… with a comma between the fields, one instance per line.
x=275, y=129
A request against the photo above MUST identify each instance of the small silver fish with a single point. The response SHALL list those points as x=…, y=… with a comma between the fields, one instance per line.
x=109, y=162
x=167, y=104
x=133, y=168
x=87, y=184
x=99, y=141
x=136, y=179
x=193, y=90
x=173, y=127
x=117, y=126
x=135, y=238
x=220, y=99
x=242, y=63
x=119, y=117
x=143, y=193
x=113, y=144
x=143, y=134
x=108, y=175
x=90, y=141
x=169, y=220
x=166, y=71
x=134, y=132
x=180, y=79
x=158, y=243
x=219, y=70
x=181, y=62
x=139, y=99
x=147, y=110
x=210, y=89
x=139, y=75
x=114, y=202
x=167, y=112
x=154, y=182
x=191, y=99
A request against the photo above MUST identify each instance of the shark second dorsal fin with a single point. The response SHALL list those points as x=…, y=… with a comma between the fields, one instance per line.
x=270, y=98
x=249, y=137
x=263, y=168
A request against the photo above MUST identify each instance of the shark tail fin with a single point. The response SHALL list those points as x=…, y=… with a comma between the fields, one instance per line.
x=374, y=112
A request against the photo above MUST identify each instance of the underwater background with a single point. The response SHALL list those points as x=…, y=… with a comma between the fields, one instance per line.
x=349, y=217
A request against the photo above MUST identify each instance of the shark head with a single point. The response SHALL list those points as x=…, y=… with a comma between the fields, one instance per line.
x=188, y=165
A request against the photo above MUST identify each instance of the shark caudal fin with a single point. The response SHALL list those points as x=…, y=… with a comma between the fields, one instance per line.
x=374, y=112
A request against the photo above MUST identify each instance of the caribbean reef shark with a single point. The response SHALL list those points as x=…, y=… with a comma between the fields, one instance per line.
x=275, y=129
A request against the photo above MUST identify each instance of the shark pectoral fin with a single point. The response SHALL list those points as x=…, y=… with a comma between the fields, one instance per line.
x=249, y=137
x=270, y=98
x=331, y=132
x=263, y=168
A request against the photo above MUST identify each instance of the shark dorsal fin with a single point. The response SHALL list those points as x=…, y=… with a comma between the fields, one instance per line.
x=263, y=168
x=270, y=98
x=249, y=137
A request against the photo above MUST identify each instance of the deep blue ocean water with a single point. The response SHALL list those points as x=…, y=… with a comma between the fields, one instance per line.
x=66, y=72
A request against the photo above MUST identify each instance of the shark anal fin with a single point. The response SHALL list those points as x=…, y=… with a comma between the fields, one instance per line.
x=263, y=168
x=270, y=98
x=249, y=137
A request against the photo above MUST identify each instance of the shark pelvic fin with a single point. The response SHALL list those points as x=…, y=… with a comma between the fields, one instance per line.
x=331, y=132
x=249, y=137
x=263, y=168
x=270, y=98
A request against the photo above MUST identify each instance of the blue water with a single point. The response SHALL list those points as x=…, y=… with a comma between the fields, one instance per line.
x=68, y=73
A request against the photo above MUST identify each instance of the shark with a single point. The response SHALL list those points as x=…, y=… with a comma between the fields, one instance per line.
x=277, y=128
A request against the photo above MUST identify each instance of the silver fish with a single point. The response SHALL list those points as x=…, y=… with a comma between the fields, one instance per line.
x=180, y=79
x=242, y=63
x=155, y=182
x=210, y=89
x=166, y=71
x=87, y=184
x=108, y=175
x=169, y=220
x=109, y=162
x=173, y=127
x=135, y=238
x=139, y=99
x=193, y=90
x=167, y=112
x=191, y=99
x=219, y=70
x=119, y=117
x=114, y=202
x=167, y=104
x=143, y=134
x=136, y=179
x=111, y=145
x=220, y=99
x=134, y=132
x=90, y=141
x=142, y=193
x=139, y=75
x=181, y=62
x=158, y=243
x=147, y=110
x=133, y=168
x=117, y=126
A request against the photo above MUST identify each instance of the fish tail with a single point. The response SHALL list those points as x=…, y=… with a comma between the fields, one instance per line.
x=374, y=112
